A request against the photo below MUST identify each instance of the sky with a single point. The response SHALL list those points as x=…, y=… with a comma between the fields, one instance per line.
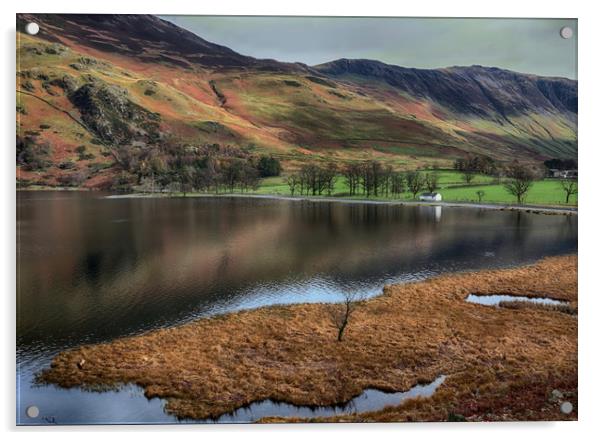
x=522, y=45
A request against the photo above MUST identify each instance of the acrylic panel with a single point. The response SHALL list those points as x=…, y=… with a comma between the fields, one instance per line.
x=226, y=219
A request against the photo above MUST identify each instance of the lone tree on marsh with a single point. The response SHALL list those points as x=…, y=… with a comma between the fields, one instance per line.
x=569, y=186
x=340, y=313
x=520, y=181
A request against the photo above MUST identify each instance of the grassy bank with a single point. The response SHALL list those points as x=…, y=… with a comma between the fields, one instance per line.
x=546, y=192
x=501, y=363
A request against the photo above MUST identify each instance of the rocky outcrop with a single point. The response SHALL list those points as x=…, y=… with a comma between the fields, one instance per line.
x=112, y=116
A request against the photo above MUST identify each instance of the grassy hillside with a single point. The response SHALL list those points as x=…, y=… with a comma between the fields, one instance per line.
x=80, y=101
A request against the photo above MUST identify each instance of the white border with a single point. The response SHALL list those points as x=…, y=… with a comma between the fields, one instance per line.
x=590, y=144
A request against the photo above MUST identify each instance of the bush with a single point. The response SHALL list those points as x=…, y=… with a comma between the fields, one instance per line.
x=67, y=165
x=82, y=154
x=28, y=85
x=31, y=155
x=73, y=179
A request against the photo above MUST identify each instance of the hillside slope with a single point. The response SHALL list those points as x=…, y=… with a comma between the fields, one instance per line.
x=90, y=86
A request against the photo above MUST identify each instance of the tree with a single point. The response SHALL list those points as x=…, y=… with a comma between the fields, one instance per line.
x=309, y=175
x=480, y=194
x=477, y=164
x=213, y=173
x=468, y=176
x=569, y=186
x=328, y=175
x=269, y=166
x=386, y=180
x=73, y=179
x=415, y=182
x=431, y=181
x=185, y=178
x=340, y=313
x=352, y=174
x=232, y=173
x=397, y=184
x=248, y=177
x=292, y=181
x=561, y=164
x=520, y=181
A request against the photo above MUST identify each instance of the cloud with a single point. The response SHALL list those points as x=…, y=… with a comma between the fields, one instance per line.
x=523, y=45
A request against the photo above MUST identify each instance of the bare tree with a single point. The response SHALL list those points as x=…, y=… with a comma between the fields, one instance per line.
x=431, y=181
x=520, y=181
x=293, y=181
x=340, y=313
x=569, y=186
x=468, y=176
x=480, y=194
x=352, y=174
x=415, y=182
x=397, y=184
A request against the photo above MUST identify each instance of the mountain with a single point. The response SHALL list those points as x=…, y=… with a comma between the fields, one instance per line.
x=92, y=86
x=144, y=37
x=486, y=92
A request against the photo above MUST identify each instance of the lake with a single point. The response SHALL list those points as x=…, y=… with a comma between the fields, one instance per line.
x=92, y=268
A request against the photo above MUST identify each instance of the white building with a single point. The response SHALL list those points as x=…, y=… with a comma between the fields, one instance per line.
x=563, y=174
x=430, y=197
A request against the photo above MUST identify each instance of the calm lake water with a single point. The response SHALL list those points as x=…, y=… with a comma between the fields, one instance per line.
x=92, y=268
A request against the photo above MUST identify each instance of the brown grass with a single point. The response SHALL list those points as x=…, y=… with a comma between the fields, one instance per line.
x=501, y=363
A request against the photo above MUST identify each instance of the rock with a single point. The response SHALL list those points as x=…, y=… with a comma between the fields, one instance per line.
x=557, y=395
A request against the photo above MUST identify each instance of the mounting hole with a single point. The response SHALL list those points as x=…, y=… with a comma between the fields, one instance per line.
x=566, y=407
x=566, y=32
x=32, y=28
x=32, y=411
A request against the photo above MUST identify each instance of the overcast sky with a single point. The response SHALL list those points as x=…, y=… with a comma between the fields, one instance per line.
x=523, y=45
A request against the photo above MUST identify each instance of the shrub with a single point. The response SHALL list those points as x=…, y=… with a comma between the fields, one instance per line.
x=67, y=165
x=31, y=155
x=82, y=154
x=73, y=179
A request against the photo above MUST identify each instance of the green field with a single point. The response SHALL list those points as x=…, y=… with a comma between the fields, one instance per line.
x=453, y=189
x=543, y=192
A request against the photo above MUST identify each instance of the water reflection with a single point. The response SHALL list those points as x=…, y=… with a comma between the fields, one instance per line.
x=495, y=300
x=92, y=268
x=368, y=400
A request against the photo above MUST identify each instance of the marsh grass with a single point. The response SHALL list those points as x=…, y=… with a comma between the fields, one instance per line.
x=501, y=363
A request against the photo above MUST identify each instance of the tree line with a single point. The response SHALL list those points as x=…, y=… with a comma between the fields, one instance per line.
x=369, y=179
x=477, y=164
x=208, y=168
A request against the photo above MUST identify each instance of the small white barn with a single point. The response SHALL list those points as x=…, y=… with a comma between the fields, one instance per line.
x=430, y=197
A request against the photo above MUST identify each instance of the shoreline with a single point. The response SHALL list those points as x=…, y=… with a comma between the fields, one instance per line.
x=531, y=208
x=535, y=209
x=410, y=334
